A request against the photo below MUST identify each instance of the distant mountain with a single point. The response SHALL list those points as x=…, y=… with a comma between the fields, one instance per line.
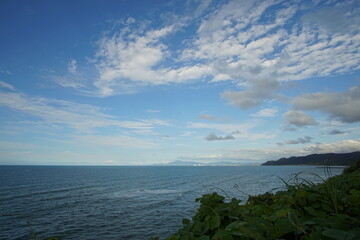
x=183, y=163
x=189, y=163
x=331, y=159
x=248, y=163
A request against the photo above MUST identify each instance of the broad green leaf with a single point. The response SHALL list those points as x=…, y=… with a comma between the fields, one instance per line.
x=281, y=227
x=326, y=207
x=314, y=212
x=186, y=221
x=197, y=228
x=222, y=235
x=338, y=234
x=204, y=237
x=214, y=222
x=205, y=227
x=235, y=225
x=283, y=212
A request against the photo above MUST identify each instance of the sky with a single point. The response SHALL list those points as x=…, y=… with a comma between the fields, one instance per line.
x=125, y=82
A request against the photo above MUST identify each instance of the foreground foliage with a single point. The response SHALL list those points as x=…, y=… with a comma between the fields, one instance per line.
x=329, y=210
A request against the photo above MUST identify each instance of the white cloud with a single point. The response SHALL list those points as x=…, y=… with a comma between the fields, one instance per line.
x=343, y=146
x=340, y=105
x=127, y=60
x=266, y=112
x=213, y=158
x=113, y=141
x=72, y=78
x=7, y=145
x=69, y=81
x=339, y=18
x=262, y=154
x=223, y=127
x=81, y=117
x=245, y=42
x=72, y=66
x=6, y=85
x=241, y=131
x=207, y=117
x=241, y=48
x=203, y=5
x=187, y=134
x=253, y=96
x=153, y=111
x=299, y=118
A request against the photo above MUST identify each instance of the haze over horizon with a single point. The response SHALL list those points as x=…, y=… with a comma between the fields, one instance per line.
x=120, y=82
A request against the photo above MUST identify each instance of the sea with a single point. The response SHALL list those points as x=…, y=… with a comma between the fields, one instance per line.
x=125, y=202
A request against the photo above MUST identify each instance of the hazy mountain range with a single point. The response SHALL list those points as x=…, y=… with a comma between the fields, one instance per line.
x=192, y=163
x=331, y=159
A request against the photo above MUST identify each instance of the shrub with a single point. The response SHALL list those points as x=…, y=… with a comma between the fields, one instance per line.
x=304, y=210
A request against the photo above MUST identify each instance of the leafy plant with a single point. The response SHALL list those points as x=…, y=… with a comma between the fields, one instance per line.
x=304, y=210
x=353, y=167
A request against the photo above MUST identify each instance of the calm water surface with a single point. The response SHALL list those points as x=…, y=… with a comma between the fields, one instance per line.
x=121, y=202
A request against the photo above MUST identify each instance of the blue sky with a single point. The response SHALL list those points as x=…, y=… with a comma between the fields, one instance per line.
x=147, y=82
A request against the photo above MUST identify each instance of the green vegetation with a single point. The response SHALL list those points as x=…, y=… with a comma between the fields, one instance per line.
x=325, y=159
x=304, y=210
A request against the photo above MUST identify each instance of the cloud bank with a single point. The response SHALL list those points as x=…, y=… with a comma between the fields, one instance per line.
x=254, y=44
x=343, y=106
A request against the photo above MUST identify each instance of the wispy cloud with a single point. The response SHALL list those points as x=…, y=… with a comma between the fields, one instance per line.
x=11, y=145
x=223, y=127
x=71, y=78
x=7, y=72
x=201, y=7
x=262, y=154
x=187, y=134
x=266, y=112
x=303, y=140
x=207, y=117
x=72, y=66
x=212, y=118
x=6, y=85
x=242, y=47
x=133, y=58
x=79, y=117
x=255, y=44
x=113, y=141
x=153, y=111
x=238, y=130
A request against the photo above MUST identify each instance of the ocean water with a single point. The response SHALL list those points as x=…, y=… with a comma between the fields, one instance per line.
x=136, y=203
